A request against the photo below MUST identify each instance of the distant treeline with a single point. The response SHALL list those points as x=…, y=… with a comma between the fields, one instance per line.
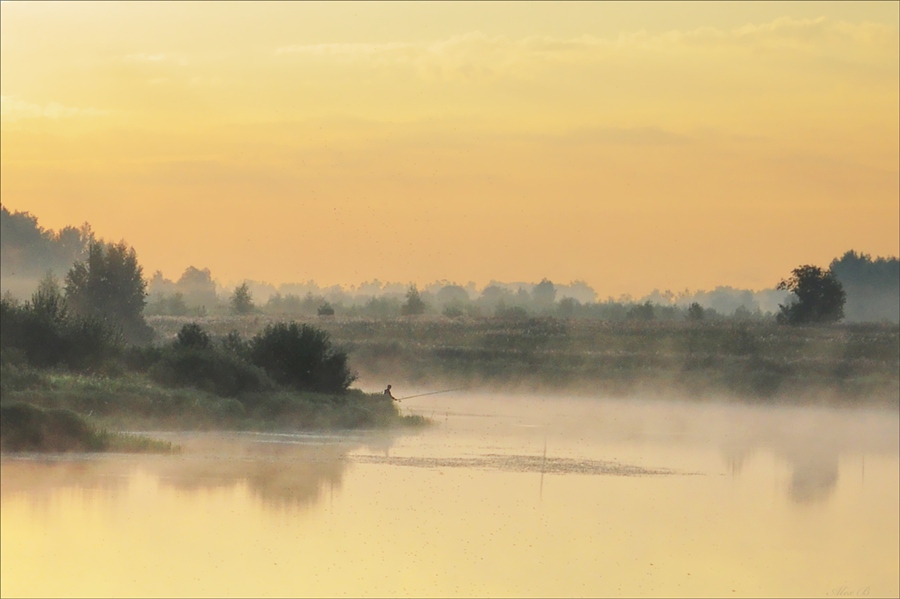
x=28, y=252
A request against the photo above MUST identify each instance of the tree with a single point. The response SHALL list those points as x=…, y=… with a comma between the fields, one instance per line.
x=109, y=286
x=544, y=294
x=640, y=312
x=242, y=300
x=818, y=297
x=414, y=303
x=198, y=287
x=695, y=312
x=301, y=356
x=872, y=286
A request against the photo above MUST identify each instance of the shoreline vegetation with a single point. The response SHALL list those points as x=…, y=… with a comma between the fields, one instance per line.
x=212, y=374
x=843, y=364
x=83, y=356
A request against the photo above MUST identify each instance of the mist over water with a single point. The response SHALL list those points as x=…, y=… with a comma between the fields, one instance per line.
x=504, y=495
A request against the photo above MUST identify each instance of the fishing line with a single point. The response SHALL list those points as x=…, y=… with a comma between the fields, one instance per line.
x=432, y=393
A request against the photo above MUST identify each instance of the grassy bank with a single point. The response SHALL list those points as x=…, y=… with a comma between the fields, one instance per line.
x=25, y=427
x=134, y=401
x=746, y=360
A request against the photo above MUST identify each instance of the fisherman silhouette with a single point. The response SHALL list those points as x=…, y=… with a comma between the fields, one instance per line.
x=389, y=394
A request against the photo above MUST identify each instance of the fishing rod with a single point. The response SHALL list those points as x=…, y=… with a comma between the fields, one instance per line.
x=432, y=393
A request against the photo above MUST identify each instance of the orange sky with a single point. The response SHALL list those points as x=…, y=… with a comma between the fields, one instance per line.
x=633, y=146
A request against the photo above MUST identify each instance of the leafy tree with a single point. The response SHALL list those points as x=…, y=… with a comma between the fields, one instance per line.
x=109, y=286
x=242, y=300
x=872, y=286
x=818, y=297
x=198, y=287
x=640, y=312
x=301, y=356
x=567, y=307
x=45, y=333
x=452, y=294
x=325, y=309
x=27, y=249
x=414, y=303
x=544, y=294
x=695, y=312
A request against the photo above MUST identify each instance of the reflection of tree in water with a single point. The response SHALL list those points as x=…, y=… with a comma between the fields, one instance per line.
x=280, y=475
x=37, y=477
x=810, y=443
x=815, y=477
x=281, y=470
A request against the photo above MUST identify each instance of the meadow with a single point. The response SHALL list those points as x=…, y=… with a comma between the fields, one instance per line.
x=750, y=361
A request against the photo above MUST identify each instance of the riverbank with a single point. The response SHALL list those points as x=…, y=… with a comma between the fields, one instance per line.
x=134, y=401
x=25, y=427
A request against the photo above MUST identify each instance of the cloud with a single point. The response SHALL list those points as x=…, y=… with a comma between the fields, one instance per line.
x=477, y=52
x=14, y=109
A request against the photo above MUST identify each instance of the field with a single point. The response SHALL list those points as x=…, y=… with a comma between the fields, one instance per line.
x=745, y=360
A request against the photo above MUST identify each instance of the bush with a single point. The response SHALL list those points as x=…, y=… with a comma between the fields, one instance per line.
x=301, y=356
x=234, y=344
x=24, y=427
x=49, y=337
x=207, y=369
x=192, y=335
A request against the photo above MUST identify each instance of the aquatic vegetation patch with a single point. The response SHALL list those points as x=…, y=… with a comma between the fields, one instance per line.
x=522, y=463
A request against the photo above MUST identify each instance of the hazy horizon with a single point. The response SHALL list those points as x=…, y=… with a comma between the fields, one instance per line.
x=634, y=147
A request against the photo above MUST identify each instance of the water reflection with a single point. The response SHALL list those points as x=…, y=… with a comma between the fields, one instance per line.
x=810, y=440
x=279, y=470
x=523, y=496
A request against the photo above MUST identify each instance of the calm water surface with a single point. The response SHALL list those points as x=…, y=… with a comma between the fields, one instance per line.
x=510, y=496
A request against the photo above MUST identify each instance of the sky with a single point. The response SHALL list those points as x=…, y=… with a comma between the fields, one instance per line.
x=632, y=146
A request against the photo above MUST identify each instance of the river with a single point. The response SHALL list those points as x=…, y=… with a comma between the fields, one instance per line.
x=502, y=496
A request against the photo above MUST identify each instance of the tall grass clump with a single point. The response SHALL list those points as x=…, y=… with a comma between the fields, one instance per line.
x=24, y=427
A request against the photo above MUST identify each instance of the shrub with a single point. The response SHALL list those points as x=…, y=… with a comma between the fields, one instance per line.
x=640, y=312
x=193, y=335
x=24, y=427
x=214, y=371
x=47, y=337
x=301, y=356
x=234, y=344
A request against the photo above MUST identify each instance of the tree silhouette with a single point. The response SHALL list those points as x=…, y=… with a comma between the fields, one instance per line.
x=109, y=286
x=544, y=294
x=414, y=303
x=242, y=300
x=818, y=297
x=695, y=312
